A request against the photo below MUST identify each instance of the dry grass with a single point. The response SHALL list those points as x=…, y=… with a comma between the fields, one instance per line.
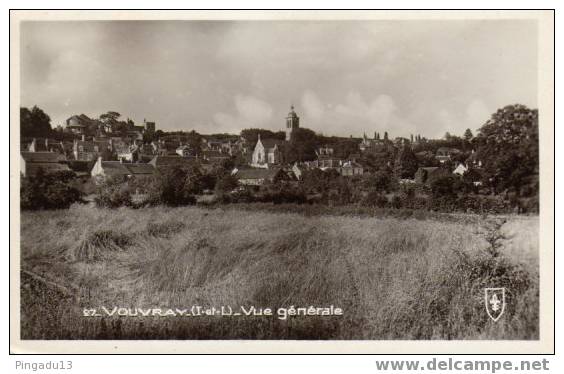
x=395, y=278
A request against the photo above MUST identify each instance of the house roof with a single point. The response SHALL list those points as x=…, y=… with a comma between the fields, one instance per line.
x=351, y=164
x=329, y=157
x=164, y=161
x=137, y=169
x=271, y=143
x=48, y=167
x=215, y=154
x=113, y=168
x=448, y=150
x=42, y=157
x=256, y=173
x=82, y=118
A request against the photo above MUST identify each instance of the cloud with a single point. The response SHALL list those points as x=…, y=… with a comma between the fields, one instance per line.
x=354, y=114
x=421, y=77
x=250, y=112
x=472, y=116
x=380, y=113
x=312, y=106
x=252, y=109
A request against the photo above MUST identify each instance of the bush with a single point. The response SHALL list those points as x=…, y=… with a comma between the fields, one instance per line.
x=225, y=183
x=48, y=191
x=175, y=187
x=283, y=194
x=380, y=181
x=443, y=186
x=375, y=199
x=113, y=193
x=397, y=202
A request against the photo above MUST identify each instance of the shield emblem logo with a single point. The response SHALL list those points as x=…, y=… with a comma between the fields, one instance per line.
x=495, y=302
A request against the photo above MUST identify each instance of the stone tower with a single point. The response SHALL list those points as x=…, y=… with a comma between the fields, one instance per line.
x=292, y=123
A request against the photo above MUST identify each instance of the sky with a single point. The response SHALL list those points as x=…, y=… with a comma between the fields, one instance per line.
x=343, y=77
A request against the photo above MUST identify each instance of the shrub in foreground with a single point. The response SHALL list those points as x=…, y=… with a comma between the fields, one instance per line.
x=48, y=191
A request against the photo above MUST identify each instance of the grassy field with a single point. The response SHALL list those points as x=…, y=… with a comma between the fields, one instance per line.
x=394, y=278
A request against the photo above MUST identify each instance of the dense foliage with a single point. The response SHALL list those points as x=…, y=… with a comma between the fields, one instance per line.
x=48, y=191
x=508, y=144
x=34, y=123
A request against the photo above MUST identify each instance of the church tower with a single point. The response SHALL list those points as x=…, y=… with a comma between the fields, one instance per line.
x=292, y=123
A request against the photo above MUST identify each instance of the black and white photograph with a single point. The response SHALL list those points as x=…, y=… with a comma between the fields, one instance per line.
x=241, y=178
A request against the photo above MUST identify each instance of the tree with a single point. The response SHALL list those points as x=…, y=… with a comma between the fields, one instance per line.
x=507, y=145
x=251, y=135
x=34, y=123
x=344, y=148
x=468, y=135
x=109, y=118
x=379, y=181
x=194, y=141
x=302, y=146
x=443, y=186
x=406, y=163
x=175, y=187
x=225, y=183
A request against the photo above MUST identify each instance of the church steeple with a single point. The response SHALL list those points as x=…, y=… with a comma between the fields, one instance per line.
x=292, y=123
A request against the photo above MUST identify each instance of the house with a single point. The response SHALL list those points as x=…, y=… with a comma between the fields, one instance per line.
x=298, y=171
x=372, y=145
x=149, y=126
x=87, y=150
x=401, y=142
x=212, y=144
x=48, y=162
x=166, y=147
x=104, y=169
x=184, y=151
x=426, y=175
x=474, y=161
x=258, y=176
x=267, y=152
x=324, y=151
x=328, y=162
x=215, y=156
x=128, y=153
x=350, y=168
x=46, y=145
x=81, y=124
x=461, y=169
x=163, y=163
x=445, y=154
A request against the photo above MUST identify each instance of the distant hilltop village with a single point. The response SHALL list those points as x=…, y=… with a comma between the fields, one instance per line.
x=96, y=147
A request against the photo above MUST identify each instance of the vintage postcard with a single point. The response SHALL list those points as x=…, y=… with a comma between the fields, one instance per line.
x=282, y=182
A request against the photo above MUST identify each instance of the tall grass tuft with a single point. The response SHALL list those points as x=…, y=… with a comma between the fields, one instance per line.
x=98, y=245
